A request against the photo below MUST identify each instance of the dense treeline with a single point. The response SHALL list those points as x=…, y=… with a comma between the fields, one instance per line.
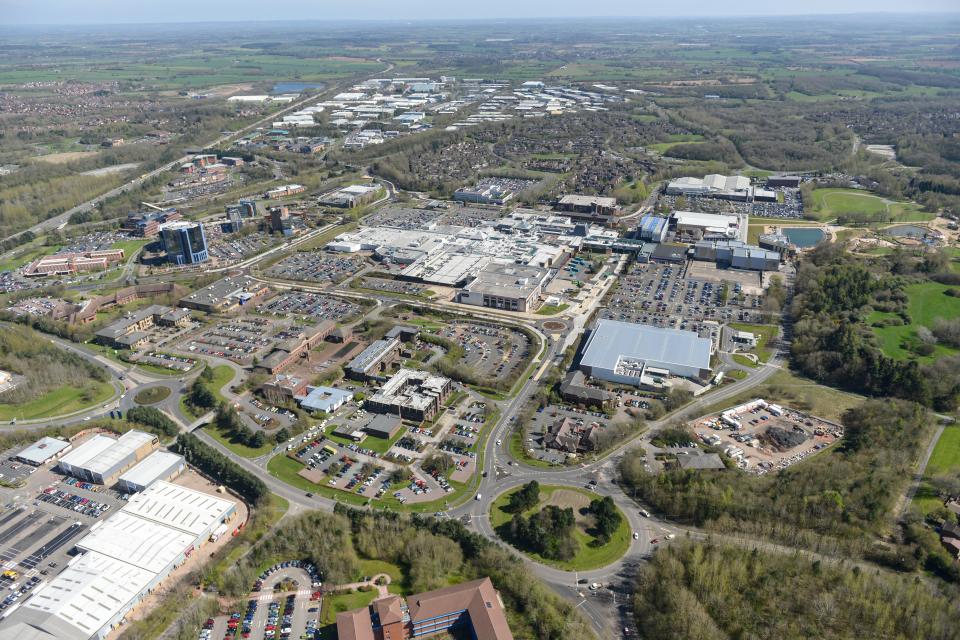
x=221, y=468
x=834, y=293
x=45, y=366
x=155, y=419
x=533, y=610
x=836, y=499
x=696, y=591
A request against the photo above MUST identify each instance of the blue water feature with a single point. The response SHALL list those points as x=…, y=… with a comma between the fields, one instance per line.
x=804, y=237
x=295, y=87
x=906, y=231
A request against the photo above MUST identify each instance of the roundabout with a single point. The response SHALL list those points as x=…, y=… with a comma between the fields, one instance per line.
x=560, y=526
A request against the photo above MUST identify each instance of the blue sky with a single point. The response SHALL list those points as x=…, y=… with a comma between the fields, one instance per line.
x=133, y=11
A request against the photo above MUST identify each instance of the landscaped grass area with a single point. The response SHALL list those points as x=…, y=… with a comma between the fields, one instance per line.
x=238, y=448
x=130, y=247
x=551, y=309
x=744, y=360
x=152, y=395
x=766, y=333
x=334, y=604
x=795, y=392
x=25, y=257
x=833, y=202
x=222, y=375
x=944, y=459
x=927, y=302
x=589, y=556
x=60, y=401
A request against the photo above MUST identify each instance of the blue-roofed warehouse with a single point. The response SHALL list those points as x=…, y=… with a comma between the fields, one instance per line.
x=652, y=229
x=625, y=352
x=326, y=399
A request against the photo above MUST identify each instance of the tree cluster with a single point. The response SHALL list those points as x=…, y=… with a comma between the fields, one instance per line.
x=548, y=532
x=704, y=591
x=221, y=469
x=839, y=498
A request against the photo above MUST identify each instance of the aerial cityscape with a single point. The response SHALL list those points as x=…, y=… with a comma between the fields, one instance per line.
x=546, y=326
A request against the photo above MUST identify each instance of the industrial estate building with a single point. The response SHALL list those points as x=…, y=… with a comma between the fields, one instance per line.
x=102, y=459
x=411, y=394
x=159, y=465
x=474, y=607
x=639, y=354
x=43, y=450
x=119, y=563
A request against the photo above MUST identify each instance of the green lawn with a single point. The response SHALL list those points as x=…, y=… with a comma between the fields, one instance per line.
x=833, y=202
x=766, y=332
x=588, y=557
x=238, y=448
x=152, y=395
x=552, y=309
x=927, y=302
x=222, y=375
x=944, y=459
x=332, y=605
x=58, y=402
x=130, y=247
x=744, y=360
x=22, y=257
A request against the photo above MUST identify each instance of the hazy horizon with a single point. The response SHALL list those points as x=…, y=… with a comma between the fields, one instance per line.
x=107, y=12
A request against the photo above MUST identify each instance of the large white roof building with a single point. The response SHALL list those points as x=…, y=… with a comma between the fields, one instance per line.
x=159, y=465
x=123, y=558
x=122, y=537
x=624, y=352
x=179, y=507
x=90, y=595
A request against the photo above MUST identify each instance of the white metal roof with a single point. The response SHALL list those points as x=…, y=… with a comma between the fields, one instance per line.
x=143, y=543
x=611, y=341
x=121, y=448
x=43, y=449
x=154, y=466
x=90, y=591
x=178, y=507
x=87, y=451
